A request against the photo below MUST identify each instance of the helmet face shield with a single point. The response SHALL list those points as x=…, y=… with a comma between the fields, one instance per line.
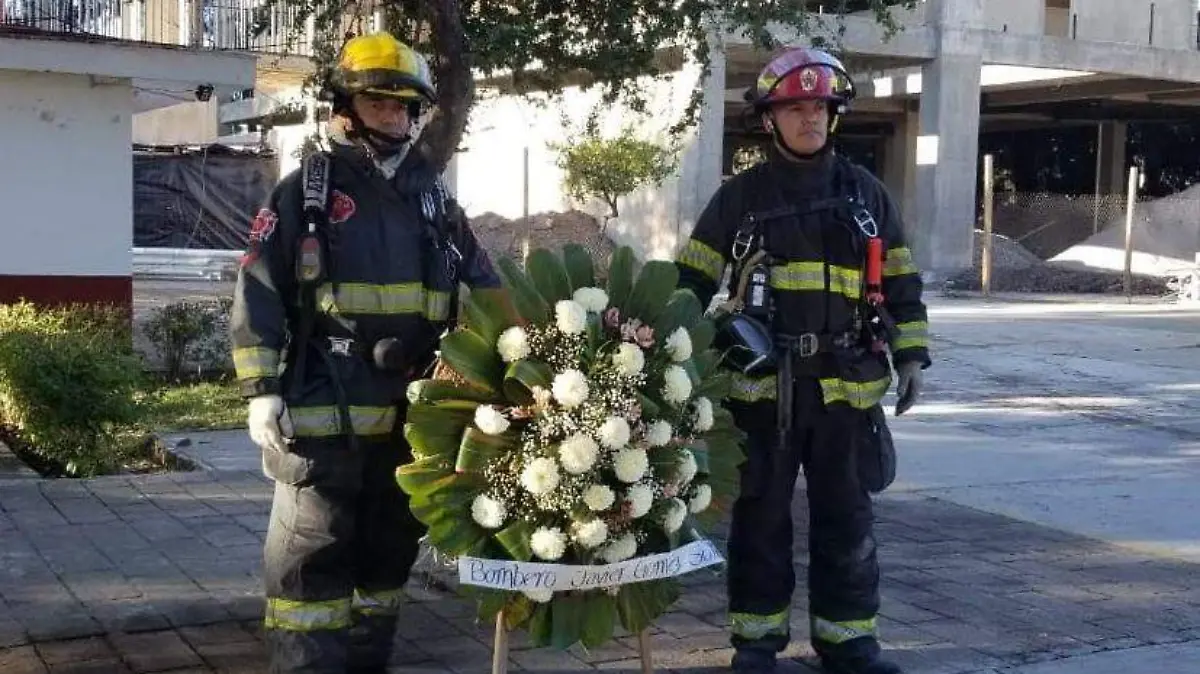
x=747, y=343
x=381, y=65
x=802, y=75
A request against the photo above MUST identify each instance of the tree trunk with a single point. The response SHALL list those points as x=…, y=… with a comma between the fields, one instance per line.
x=456, y=87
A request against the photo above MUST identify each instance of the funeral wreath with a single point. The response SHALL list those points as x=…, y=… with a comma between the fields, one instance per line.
x=577, y=448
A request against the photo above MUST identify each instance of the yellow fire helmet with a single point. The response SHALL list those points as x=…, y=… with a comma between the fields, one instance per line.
x=381, y=65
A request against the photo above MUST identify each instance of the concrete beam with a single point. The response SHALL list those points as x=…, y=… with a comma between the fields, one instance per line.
x=1110, y=88
x=863, y=35
x=1114, y=58
x=127, y=60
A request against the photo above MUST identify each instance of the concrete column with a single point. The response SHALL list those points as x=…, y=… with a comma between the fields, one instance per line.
x=899, y=163
x=706, y=155
x=947, y=149
x=1110, y=160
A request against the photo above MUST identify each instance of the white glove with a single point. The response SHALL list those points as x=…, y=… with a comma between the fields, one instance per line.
x=908, y=388
x=270, y=424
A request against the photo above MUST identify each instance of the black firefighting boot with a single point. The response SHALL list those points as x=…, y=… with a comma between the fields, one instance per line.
x=753, y=661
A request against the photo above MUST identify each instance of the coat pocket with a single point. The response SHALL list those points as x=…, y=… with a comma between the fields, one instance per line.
x=876, y=453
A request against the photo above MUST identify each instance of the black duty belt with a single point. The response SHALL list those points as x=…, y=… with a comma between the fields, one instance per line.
x=809, y=344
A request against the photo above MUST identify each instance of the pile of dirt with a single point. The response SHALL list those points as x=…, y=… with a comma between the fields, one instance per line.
x=551, y=230
x=1016, y=269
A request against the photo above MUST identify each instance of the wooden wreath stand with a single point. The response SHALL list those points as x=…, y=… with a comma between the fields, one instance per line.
x=500, y=648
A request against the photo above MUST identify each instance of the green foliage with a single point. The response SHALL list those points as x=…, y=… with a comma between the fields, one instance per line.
x=191, y=335
x=68, y=379
x=610, y=168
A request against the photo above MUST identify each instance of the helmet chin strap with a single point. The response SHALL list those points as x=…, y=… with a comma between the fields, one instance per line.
x=383, y=144
x=791, y=152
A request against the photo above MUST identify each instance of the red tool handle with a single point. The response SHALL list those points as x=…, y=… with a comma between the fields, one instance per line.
x=874, y=263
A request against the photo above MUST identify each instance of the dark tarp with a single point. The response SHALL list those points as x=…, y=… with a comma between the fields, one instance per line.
x=201, y=198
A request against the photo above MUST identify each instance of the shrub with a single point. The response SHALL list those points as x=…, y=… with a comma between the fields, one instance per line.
x=190, y=335
x=67, y=382
x=611, y=168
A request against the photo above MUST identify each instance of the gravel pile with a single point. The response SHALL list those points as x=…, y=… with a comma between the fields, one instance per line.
x=1016, y=269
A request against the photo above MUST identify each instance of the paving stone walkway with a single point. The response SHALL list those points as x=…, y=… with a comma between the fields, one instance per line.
x=160, y=573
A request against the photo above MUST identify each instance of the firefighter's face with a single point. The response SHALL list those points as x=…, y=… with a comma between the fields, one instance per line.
x=383, y=113
x=803, y=125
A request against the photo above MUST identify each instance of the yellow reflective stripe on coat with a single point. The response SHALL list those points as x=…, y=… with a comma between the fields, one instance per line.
x=859, y=395
x=699, y=256
x=752, y=389
x=755, y=626
x=324, y=421
x=384, y=300
x=253, y=362
x=797, y=276
x=838, y=632
x=378, y=602
x=306, y=616
x=914, y=334
x=899, y=262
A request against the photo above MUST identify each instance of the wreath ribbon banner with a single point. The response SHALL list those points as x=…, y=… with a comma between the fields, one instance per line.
x=502, y=574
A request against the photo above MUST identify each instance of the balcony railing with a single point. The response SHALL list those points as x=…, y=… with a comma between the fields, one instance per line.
x=208, y=24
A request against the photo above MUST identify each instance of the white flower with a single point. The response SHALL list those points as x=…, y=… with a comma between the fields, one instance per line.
x=599, y=497
x=548, y=543
x=513, y=344
x=592, y=533
x=659, y=434
x=578, y=453
x=541, y=396
x=594, y=300
x=675, y=514
x=631, y=464
x=701, y=499
x=677, y=385
x=629, y=359
x=679, y=345
x=490, y=420
x=488, y=512
x=687, y=467
x=540, y=477
x=614, y=433
x=703, y=419
x=640, y=498
x=570, y=317
x=570, y=388
x=539, y=595
x=620, y=550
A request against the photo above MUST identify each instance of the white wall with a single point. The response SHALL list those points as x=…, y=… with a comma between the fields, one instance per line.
x=191, y=123
x=66, y=181
x=1022, y=17
x=489, y=172
x=1129, y=21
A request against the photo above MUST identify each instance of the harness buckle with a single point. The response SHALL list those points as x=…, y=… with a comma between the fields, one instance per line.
x=741, y=245
x=809, y=345
x=866, y=223
x=341, y=346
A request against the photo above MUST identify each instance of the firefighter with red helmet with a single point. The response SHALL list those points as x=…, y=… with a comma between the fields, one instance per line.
x=351, y=276
x=825, y=302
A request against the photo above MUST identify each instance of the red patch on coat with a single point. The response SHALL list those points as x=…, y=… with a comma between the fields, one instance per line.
x=343, y=207
x=263, y=225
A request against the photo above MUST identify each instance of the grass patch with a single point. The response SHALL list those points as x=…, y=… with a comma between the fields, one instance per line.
x=200, y=406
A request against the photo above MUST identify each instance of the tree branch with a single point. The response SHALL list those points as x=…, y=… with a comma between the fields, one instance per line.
x=451, y=68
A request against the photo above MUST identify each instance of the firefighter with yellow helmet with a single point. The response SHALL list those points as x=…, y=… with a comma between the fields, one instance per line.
x=350, y=277
x=825, y=302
